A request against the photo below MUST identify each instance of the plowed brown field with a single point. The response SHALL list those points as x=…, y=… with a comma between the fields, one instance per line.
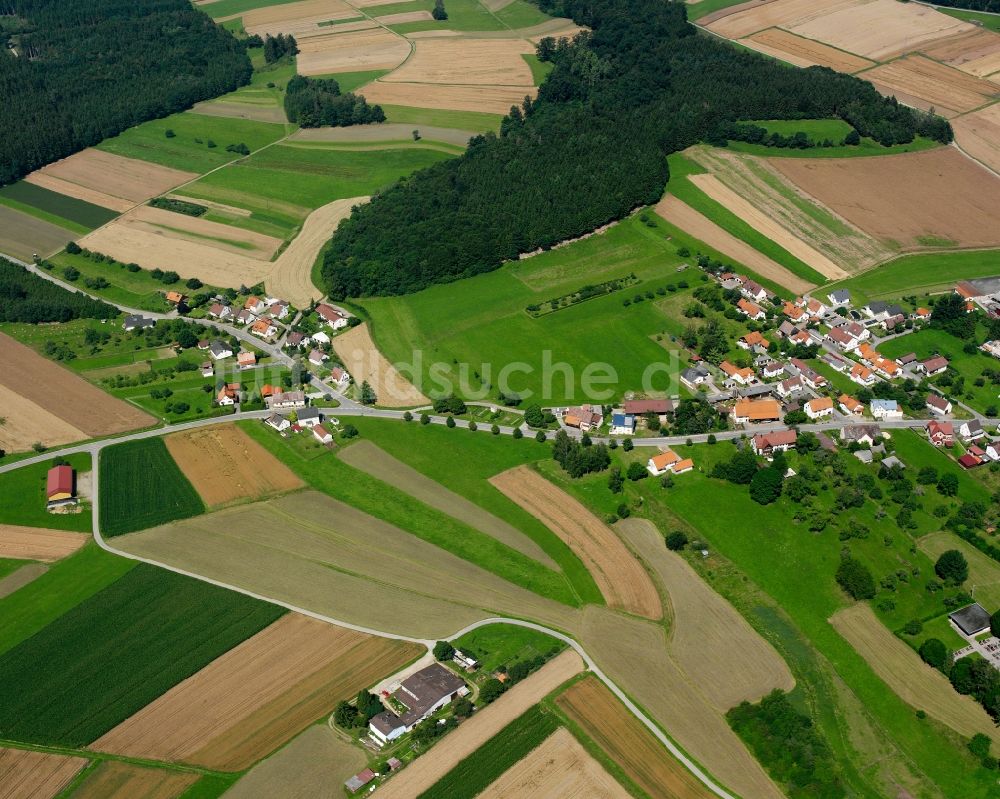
x=36, y=543
x=363, y=361
x=623, y=582
x=35, y=775
x=225, y=465
x=257, y=696
x=114, y=780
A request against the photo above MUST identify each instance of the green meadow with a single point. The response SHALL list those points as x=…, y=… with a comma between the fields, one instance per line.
x=190, y=148
x=461, y=120
x=497, y=645
x=23, y=492
x=818, y=130
x=54, y=207
x=227, y=8
x=464, y=15
x=988, y=21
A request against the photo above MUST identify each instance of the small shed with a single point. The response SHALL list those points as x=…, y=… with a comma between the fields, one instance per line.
x=972, y=619
x=359, y=780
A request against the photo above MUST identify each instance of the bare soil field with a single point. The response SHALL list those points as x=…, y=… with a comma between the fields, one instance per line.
x=979, y=135
x=634, y=653
x=901, y=668
x=225, y=465
x=374, y=460
x=363, y=361
x=707, y=632
x=314, y=765
x=804, y=52
x=257, y=696
x=701, y=227
x=61, y=186
x=63, y=393
x=559, y=768
x=116, y=780
x=628, y=743
x=35, y=775
x=157, y=250
x=353, y=51
x=937, y=85
x=623, y=582
x=758, y=184
x=291, y=274
x=23, y=235
x=385, y=131
x=956, y=197
x=258, y=113
x=15, y=581
x=126, y=178
x=38, y=543
x=316, y=552
x=762, y=223
x=27, y=423
x=747, y=18
x=495, y=62
x=405, y=16
x=422, y=773
x=490, y=99
x=200, y=231
x=295, y=18
x=976, y=52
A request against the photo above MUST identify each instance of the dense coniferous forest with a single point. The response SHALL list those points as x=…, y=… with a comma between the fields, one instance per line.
x=992, y=6
x=590, y=149
x=89, y=69
x=25, y=297
x=312, y=102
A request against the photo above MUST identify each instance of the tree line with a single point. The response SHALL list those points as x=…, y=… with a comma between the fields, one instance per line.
x=992, y=6
x=25, y=297
x=591, y=148
x=88, y=71
x=314, y=102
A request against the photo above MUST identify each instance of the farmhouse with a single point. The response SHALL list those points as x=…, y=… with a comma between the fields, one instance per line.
x=219, y=350
x=286, y=399
x=309, y=417
x=971, y=430
x=753, y=340
x=937, y=404
x=971, y=620
x=137, y=322
x=839, y=298
x=885, y=409
x=660, y=407
x=751, y=310
x=766, y=444
x=622, y=424
x=334, y=318
x=422, y=693
x=932, y=366
x=246, y=360
x=322, y=435
x=747, y=410
x=864, y=434
x=584, y=417
x=279, y=423
x=967, y=291
x=850, y=405
x=819, y=408
x=788, y=387
x=941, y=434
x=60, y=486
x=220, y=311
x=662, y=463
x=862, y=375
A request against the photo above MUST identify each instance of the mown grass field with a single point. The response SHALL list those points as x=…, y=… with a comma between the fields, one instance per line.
x=55, y=207
x=706, y=7
x=477, y=771
x=482, y=321
x=927, y=273
x=115, y=652
x=227, y=8
x=441, y=118
x=149, y=142
x=989, y=21
x=464, y=15
x=23, y=492
x=141, y=486
x=497, y=645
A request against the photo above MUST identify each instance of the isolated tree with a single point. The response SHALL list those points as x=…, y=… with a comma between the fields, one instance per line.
x=615, y=480
x=636, y=471
x=540, y=436
x=854, y=577
x=438, y=12
x=952, y=567
x=677, y=540
x=425, y=419
x=934, y=653
x=627, y=445
x=443, y=650
x=450, y=421
x=368, y=395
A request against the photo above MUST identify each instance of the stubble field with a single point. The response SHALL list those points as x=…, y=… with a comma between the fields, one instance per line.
x=979, y=135
x=488, y=62
x=115, y=780
x=352, y=51
x=25, y=774
x=27, y=423
x=36, y=543
x=927, y=84
x=804, y=52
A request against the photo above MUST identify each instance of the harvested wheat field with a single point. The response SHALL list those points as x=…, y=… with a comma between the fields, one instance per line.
x=905, y=198
x=315, y=552
x=354, y=51
x=200, y=231
x=93, y=196
x=65, y=394
x=487, y=62
x=115, y=780
x=625, y=740
x=125, y=178
x=422, y=773
x=28, y=423
x=979, y=135
x=622, y=581
x=35, y=775
x=311, y=766
x=297, y=19
x=634, y=654
x=38, y=543
x=707, y=632
x=937, y=85
x=804, y=52
x=559, y=768
x=742, y=20
x=762, y=223
x=701, y=227
x=291, y=275
x=225, y=465
x=374, y=460
x=363, y=361
x=901, y=668
x=976, y=52
x=248, y=702
x=490, y=99
x=756, y=188
x=23, y=235
x=405, y=16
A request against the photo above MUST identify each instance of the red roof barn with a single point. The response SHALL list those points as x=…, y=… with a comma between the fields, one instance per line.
x=59, y=483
